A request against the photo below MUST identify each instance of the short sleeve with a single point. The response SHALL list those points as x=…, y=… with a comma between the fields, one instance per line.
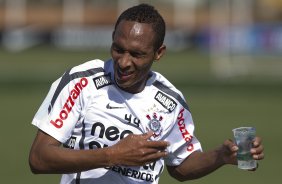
x=61, y=109
x=182, y=139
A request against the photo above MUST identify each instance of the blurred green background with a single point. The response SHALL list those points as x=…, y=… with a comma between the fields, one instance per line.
x=217, y=107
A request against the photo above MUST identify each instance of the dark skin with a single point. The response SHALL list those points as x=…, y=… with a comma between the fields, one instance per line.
x=47, y=155
x=133, y=59
x=133, y=53
x=199, y=164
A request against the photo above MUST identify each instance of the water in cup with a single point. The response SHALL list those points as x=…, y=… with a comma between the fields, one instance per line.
x=244, y=137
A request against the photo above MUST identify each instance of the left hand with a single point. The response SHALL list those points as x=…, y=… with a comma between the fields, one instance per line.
x=257, y=150
x=229, y=151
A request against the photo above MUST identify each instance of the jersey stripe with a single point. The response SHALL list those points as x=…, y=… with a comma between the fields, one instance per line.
x=172, y=93
x=160, y=172
x=81, y=146
x=66, y=78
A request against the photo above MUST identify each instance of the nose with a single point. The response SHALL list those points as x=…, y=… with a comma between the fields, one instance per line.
x=124, y=61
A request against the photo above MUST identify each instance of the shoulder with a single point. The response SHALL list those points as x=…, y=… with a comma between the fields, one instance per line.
x=92, y=66
x=165, y=85
x=167, y=92
x=161, y=80
x=77, y=79
x=84, y=70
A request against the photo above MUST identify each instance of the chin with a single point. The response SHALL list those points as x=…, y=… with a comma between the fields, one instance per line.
x=123, y=85
x=126, y=87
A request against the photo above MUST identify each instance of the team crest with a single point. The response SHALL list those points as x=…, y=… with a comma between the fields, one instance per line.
x=154, y=124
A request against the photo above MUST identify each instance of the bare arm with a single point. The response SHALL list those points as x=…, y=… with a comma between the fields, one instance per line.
x=47, y=155
x=199, y=164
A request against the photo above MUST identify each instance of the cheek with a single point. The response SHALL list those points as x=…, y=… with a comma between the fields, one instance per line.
x=145, y=67
x=142, y=73
x=115, y=63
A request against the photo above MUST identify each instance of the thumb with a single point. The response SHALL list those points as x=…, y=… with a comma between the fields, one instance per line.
x=231, y=145
x=147, y=135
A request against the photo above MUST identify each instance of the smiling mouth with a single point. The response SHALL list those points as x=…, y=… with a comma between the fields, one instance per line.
x=124, y=75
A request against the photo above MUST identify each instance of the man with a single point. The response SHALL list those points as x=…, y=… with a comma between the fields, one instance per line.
x=119, y=121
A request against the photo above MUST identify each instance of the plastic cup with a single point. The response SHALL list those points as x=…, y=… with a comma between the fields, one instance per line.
x=244, y=137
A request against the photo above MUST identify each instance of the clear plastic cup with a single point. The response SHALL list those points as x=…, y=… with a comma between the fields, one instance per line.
x=244, y=137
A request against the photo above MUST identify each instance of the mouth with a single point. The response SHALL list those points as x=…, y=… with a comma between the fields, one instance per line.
x=124, y=76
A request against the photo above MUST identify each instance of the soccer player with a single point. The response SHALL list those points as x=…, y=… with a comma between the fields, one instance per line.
x=120, y=122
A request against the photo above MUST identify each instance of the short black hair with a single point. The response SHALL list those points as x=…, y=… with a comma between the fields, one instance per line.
x=144, y=13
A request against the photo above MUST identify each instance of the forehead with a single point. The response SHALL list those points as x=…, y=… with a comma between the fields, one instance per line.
x=135, y=31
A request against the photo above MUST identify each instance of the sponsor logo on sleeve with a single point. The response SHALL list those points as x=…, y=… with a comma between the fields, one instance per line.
x=102, y=81
x=184, y=132
x=70, y=102
x=165, y=101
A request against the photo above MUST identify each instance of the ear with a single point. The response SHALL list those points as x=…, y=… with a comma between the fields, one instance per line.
x=160, y=52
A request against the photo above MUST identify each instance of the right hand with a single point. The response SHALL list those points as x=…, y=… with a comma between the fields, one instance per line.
x=137, y=150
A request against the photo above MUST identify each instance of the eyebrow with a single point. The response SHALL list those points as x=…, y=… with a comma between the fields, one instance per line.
x=131, y=51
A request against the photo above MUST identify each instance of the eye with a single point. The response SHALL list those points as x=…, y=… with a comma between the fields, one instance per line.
x=137, y=54
x=117, y=49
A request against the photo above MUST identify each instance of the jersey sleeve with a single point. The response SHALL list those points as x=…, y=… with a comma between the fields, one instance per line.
x=181, y=138
x=62, y=107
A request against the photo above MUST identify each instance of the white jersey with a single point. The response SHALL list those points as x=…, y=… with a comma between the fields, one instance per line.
x=85, y=109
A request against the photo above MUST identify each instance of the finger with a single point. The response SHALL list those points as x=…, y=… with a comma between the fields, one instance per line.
x=231, y=145
x=257, y=141
x=151, y=151
x=150, y=155
x=258, y=156
x=258, y=153
x=147, y=135
x=154, y=156
x=257, y=149
x=158, y=144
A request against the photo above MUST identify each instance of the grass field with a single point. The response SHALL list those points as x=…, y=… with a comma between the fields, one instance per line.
x=217, y=107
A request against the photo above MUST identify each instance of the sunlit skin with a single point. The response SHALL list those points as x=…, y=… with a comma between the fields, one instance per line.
x=133, y=53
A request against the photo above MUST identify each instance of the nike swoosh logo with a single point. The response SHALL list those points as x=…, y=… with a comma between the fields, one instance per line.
x=113, y=107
